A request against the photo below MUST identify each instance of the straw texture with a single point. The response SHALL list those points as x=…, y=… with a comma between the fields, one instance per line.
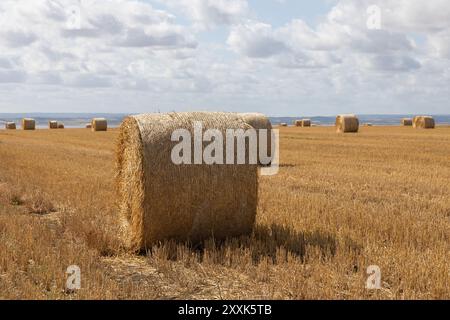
x=160, y=200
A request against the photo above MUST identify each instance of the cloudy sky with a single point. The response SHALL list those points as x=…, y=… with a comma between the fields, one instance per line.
x=280, y=57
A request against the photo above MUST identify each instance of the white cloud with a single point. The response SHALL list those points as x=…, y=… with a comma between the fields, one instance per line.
x=255, y=40
x=210, y=13
x=126, y=55
x=45, y=36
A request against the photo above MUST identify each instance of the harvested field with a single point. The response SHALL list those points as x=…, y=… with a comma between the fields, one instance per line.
x=339, y=204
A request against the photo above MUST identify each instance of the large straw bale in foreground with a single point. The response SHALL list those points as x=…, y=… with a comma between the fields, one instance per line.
x=260, y=122
x=53, y=124
x=407, y=122
x=347, y=123
x=10, y=126
x=424, y=122
x=99, y=124
x=28, y=124
x=161, y=200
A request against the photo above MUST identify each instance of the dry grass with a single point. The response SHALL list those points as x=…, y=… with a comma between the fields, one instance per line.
x=339, y=204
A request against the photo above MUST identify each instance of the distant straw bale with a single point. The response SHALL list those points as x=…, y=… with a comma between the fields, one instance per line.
x=10, y=126
x=407, y=122
x=99, y=124
x=347, y=123
x=28, y=124
x=53, y=124
x=306, y=123
x=424, y=122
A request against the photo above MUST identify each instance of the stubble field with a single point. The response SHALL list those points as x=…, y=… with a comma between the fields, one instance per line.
x=339, y=204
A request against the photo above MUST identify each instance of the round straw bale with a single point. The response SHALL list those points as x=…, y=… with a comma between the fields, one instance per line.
x=53, y=124
x=298, y=123
x=347, y=123
x=407, y=122
x=260, y=122
x=283, y=124
x=306, y=123
x=10, y=126
x=160, y=200
x=99, y=124
x=60, y=125
x=28, y=124
x=424, y=122
x=88, y=125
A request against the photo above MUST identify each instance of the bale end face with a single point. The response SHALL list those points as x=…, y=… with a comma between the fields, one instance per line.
x=424, y=122
x=99, y=124
x=160, y=200
x=407, y=122
x=347, y=124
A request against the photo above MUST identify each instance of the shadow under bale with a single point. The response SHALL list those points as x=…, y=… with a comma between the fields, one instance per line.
x=268, y=241
x=265, y=242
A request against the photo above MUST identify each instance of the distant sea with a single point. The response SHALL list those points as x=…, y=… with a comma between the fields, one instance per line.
x=79, y=120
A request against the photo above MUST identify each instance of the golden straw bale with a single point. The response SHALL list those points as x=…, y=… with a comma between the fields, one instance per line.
x=60, y=125
x=306, y=123
x=160, y=200
x=28, y=124
x=283, y=124
x=10, y=126
x=88, y=125
x=298, y=123
x=407, y=122
x=424, y=122
x=347, y=123
x=53, y=124
x=99, y=124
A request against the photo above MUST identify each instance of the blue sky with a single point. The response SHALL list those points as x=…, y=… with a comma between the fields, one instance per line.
x=279, y=57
